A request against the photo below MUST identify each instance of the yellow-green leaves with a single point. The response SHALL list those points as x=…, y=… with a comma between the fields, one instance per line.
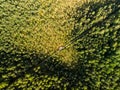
x=60, y=44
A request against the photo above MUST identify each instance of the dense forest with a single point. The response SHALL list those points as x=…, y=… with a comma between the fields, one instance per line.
x=59, y=44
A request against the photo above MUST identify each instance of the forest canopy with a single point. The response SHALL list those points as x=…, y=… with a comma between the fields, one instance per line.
x=59, y=44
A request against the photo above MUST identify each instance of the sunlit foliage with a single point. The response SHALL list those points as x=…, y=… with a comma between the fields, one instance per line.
x=60, y=44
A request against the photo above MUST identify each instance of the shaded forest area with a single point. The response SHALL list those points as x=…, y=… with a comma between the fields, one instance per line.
x=32, y=32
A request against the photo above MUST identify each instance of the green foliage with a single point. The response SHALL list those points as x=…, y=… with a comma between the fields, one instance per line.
x=35, y=25
x=98, y=39
x=31, y=30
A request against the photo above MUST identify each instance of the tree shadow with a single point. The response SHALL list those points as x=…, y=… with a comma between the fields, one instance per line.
x=95, y=35
x=17, y=66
